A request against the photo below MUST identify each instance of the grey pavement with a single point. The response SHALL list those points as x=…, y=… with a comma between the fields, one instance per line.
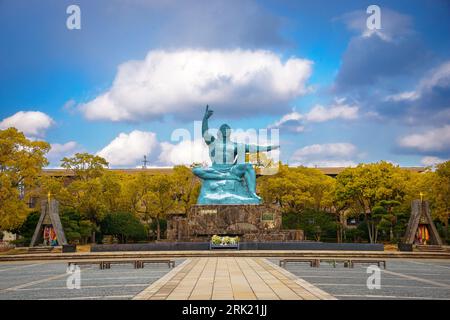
x=47, y=280
x=402, y=279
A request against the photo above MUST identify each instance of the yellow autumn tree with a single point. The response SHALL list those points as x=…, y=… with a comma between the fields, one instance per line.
x=21, y=161
x=368, y=185
x=296, y=189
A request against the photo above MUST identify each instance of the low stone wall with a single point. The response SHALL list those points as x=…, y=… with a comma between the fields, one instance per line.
x=272, y=245
x=294, y=245
x=249, y=222
x=154, y=246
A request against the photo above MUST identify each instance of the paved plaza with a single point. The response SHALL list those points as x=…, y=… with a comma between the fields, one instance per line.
x=402, y=279
x=231, y=278
x=226, y=278
x=47, y=280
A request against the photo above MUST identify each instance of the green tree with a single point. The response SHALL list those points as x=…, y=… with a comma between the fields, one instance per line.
x=86, y=193
x=297, y=189
x=316, y=223
x=384, y=215
x=76, y=229
x=153, y=197
x=187, y=188
x=441, y=199
x=161, y=198
x=367, y=185
x=85, y=166
x=124, y=226
x=21, y=162
x=27, y=228
x=137, y=191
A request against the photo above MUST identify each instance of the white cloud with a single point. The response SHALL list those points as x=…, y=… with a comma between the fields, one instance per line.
x=129, y=149
x=295, y=121
x=337, y=111
x=403, y=96
x=59, y=151
x=325, y=155
x=431, y=161
x=185, y=152
x=180, y=82
x=69, y=106
x=438, y=77
x=434, y=140
x=291, y=121
x=394, y=25
x=31, y=123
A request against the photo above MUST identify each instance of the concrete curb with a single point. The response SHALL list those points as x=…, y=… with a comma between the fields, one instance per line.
x=225, y=253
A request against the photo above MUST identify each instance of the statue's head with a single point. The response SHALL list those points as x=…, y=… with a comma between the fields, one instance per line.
x=225, y=131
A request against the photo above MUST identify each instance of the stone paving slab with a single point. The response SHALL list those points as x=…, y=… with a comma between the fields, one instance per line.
x=231, y=278
x=49, y=281
x=402, y=280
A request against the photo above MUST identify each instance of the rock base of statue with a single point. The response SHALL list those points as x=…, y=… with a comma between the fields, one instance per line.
x=226, y=192
x=249, y=222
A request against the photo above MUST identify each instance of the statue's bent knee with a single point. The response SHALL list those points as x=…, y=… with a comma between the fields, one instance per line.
x=198, y=171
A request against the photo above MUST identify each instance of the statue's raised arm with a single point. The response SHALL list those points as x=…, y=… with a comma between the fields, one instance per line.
x=205, y=130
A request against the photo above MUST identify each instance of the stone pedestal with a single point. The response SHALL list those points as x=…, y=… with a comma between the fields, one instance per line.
x=249, y=222
x=207, y=220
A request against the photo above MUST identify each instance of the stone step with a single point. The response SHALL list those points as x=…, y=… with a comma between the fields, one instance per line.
x=231, y=253
x=40, y=249
x=429, y=248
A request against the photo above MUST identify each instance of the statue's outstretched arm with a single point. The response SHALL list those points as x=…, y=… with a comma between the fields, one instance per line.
x=205, y=133
x=254, y=148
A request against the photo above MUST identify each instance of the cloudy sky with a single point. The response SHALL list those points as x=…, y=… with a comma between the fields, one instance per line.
x=138, y=71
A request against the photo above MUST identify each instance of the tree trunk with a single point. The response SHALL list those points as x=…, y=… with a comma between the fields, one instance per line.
x=340, y=228
x=338, y=234
x=446, y=229
x=158, y=229
x=369, y=229
x=93, y=237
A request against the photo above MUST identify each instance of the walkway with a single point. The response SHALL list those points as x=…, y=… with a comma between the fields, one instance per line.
x=230, y=278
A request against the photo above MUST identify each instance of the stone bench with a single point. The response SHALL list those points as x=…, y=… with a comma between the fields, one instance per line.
x=313, y=262
x=334, y=261
x=378, y=262
x=137, y=263
x=142, y=262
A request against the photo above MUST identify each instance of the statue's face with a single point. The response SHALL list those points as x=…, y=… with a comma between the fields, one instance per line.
x=225, y=131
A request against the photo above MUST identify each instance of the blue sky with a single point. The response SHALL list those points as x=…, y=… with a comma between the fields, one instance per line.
x=339, y=93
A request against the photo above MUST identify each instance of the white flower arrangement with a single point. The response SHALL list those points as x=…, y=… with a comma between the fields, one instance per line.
x=224, y=241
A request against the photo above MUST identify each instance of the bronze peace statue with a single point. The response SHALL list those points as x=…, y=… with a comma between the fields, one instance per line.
x=230, y=179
